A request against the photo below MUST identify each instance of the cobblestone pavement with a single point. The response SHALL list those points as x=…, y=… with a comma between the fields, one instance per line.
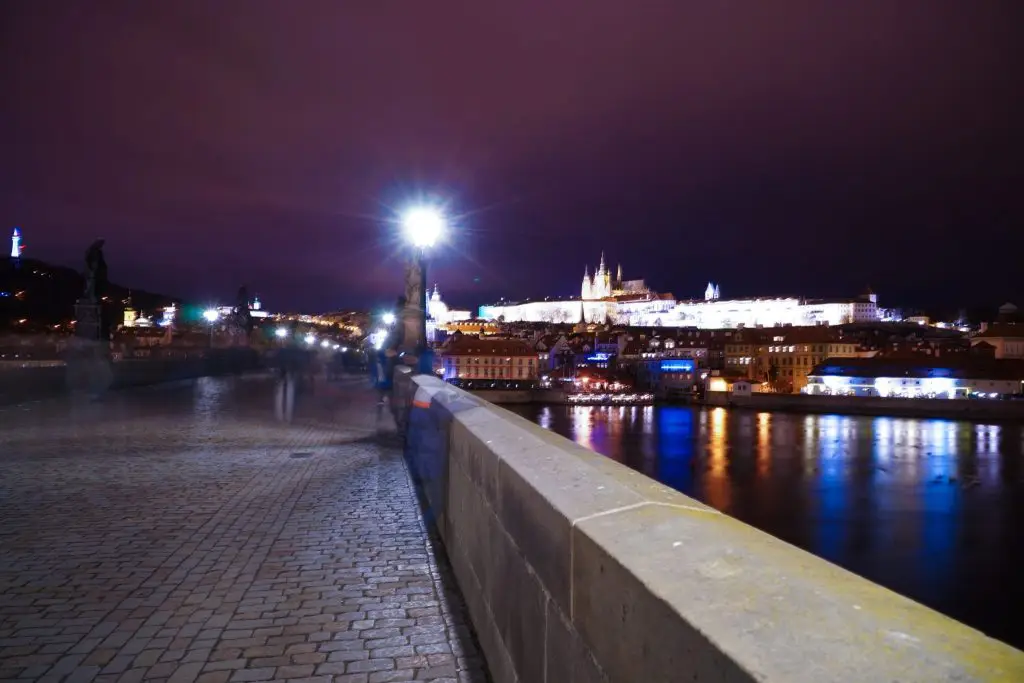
x=179, y=534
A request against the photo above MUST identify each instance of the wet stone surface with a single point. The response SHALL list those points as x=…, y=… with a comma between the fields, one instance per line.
x=180, y=534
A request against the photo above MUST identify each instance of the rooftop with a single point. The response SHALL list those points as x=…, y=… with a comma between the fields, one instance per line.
x=475, y=346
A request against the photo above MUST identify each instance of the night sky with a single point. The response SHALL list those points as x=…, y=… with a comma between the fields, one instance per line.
x=781, y=147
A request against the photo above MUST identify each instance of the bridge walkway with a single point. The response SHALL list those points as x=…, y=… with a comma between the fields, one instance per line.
x=179, y=533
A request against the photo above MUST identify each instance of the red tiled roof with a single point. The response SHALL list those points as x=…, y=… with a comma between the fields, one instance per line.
x=1013, y=330
x=472, y=346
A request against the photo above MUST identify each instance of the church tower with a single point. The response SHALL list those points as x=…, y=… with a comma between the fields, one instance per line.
x=602, y=286
x=588, y=286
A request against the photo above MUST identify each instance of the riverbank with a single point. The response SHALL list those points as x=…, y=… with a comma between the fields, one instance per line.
x=561, y=398
x=963, y=409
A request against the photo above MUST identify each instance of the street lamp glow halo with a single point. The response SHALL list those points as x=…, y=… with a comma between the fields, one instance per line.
x=423, y=226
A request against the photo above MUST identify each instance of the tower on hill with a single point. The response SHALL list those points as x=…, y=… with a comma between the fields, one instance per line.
x=16, y=245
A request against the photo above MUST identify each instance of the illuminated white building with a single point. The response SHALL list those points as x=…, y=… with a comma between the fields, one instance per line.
x=898, y=378
x=648, y=309
x=631, y=302
x=439, y=315
x=438, y=310
x=255, y=309
x=717, y=313
x=601, y=298
x=566, y=311
x=170, y=315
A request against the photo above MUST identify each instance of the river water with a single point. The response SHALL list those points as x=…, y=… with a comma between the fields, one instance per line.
x=933, y=509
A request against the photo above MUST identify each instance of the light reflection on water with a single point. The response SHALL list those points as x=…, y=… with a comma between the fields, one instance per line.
x=933, y=509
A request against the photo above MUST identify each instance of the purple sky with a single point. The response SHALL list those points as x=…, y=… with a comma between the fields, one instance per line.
x=779, y=148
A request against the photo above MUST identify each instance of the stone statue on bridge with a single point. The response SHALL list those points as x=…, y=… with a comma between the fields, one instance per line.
x=242, y=316
x=88, y=360
x=95, y=272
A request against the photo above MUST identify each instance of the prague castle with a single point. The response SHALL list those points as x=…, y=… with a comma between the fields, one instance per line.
x=602, y=286
x=631, y=302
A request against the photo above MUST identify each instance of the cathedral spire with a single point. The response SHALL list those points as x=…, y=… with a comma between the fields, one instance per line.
x=600, y=268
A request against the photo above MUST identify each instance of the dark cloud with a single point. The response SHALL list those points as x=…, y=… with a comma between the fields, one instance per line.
x=781, y=147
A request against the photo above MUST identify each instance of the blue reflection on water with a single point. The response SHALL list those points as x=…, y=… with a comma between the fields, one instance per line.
x=675, y=448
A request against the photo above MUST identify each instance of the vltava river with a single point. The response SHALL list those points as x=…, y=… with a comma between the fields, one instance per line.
x=933, y=509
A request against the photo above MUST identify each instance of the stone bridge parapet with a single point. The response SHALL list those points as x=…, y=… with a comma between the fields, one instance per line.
x=577, y=569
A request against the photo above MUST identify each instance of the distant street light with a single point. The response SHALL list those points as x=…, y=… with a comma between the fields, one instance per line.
x=310, y=339
x=388, y=318
x=281, y=332
x=423, y=227
x=212, y=315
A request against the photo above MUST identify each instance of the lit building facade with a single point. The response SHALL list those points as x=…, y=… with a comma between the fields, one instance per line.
x=891, y=378
x=476, y=358
x=784, y=357
x=440, y=317
x=1006, y=339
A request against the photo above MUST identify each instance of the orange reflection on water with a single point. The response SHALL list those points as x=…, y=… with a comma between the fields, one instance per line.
x=717, y=442
x=764, y=443
x=583, y=421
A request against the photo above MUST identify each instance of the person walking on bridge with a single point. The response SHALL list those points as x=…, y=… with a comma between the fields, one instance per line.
x=386, y=358
x=289, y=367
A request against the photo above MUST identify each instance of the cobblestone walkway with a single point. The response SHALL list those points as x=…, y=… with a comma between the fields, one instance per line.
x=178, y=534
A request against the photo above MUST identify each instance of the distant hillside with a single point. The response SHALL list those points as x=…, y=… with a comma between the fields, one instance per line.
x=44, y=295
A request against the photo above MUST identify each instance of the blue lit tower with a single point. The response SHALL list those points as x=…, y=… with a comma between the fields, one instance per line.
x=16, y=244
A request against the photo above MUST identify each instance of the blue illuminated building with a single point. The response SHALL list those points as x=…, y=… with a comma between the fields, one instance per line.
x=917, y=378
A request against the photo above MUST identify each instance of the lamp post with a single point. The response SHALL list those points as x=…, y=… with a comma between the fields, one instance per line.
x=212, y=315
x=423, y=227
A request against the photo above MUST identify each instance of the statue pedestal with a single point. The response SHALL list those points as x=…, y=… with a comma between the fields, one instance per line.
x=89, y=368
x=88, y=320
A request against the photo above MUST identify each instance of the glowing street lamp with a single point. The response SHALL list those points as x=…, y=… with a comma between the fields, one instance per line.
x=388, y=318
x=423, y=226
x=281, y=332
